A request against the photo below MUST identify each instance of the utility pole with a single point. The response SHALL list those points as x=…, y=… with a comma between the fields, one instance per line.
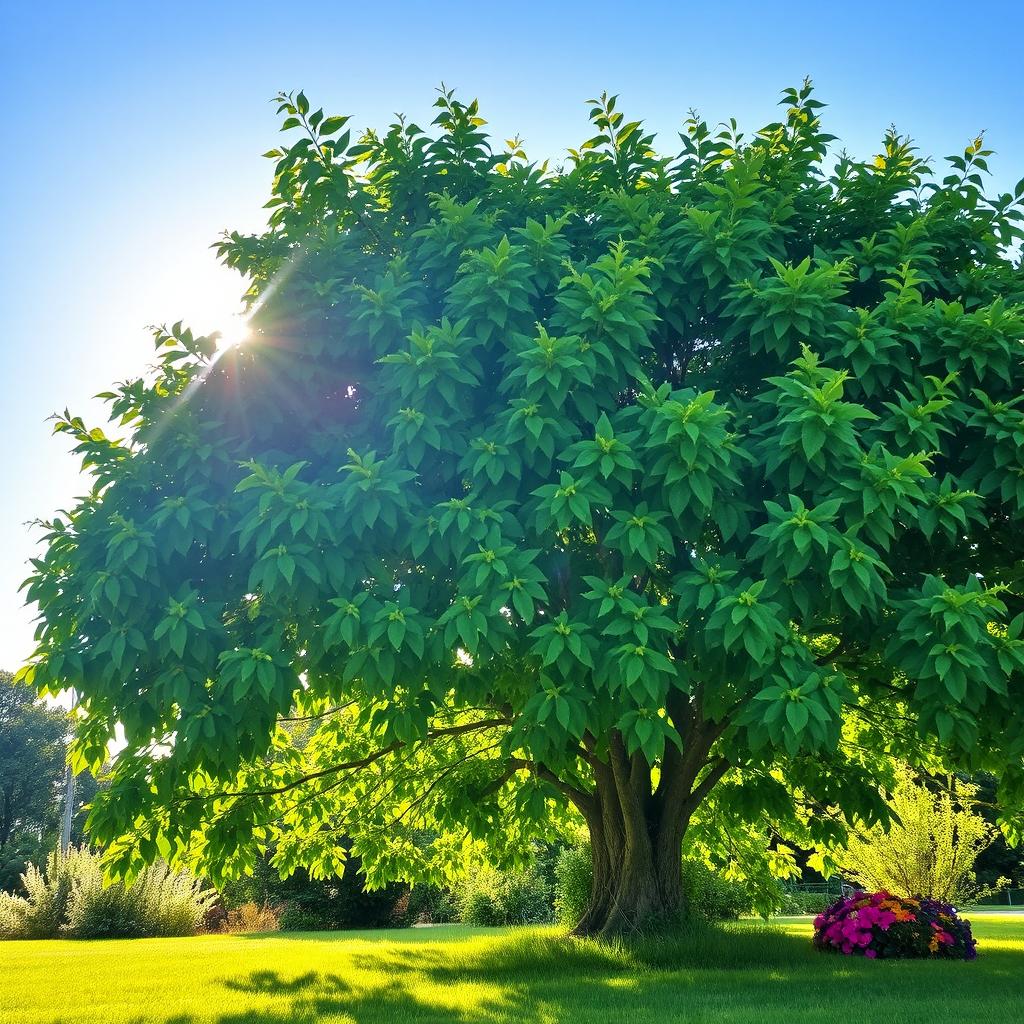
x=69, y=799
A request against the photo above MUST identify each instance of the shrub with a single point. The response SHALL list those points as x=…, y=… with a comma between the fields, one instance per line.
x=712, y=896
x=489, y=897
x=889, y=927
x=929, y=847
x=69, y=900
x=254, y=917
x=44, y=910
x=431, y=904
x=795, y=903
x=328, y=904
x=574, y=875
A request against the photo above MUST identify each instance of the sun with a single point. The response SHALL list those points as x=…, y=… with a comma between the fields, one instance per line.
x=233, y=333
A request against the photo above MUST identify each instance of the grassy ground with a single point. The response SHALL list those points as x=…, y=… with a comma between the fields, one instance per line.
x=740, y=973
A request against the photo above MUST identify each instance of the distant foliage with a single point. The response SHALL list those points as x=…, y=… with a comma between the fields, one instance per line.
x=33, y=739
x=253, y=917
x=930, y=847
x=887, y=927
x=798, y=903
x=491, y=897
x=320, y=904
x=432, y=904
x=69, y=900
x=712, y=896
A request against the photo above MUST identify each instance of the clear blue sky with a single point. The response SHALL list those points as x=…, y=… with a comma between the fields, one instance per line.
x=132, y=134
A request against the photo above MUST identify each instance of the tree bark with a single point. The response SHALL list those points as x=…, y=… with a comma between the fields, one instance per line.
x=636, y=836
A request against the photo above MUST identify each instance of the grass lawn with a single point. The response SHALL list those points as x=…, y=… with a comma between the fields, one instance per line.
x=743, y=972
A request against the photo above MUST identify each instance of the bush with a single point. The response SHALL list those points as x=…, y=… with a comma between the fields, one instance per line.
x=490, y=897
x=574, y=875
x=45, y=910
x=329, y=904
x=69, y=900
x=928, y=848
x=430, y=904
x=711, y=895
x=888, y=927
x=253, y=917
x=795, y=903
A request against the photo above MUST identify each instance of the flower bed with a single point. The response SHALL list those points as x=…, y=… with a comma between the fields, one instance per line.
x=884, y=926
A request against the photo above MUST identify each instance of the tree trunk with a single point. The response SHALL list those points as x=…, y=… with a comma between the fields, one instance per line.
x=636, y=853
x=636, y=834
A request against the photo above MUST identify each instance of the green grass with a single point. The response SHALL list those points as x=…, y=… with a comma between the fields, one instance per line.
x=742, y=972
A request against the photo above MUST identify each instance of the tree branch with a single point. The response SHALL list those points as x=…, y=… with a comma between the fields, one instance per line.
x=361, y=762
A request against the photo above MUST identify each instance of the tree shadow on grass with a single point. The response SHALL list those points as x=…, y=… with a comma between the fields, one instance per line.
x=737, y=974
x=271, y=983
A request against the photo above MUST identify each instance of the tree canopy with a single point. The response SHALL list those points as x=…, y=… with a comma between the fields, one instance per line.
x=675, y=492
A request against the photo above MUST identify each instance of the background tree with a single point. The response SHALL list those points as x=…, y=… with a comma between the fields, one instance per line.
x=627, y=489
x=999, y=860
x=33, y=742
x=929, y=849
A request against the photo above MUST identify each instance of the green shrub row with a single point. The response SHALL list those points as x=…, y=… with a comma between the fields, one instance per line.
x=797, y=903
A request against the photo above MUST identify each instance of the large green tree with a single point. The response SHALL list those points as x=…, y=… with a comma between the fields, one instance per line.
x=663, y=491
x=33, y=742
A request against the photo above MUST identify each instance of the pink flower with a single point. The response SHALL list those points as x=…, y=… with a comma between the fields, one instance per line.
x=870, y=954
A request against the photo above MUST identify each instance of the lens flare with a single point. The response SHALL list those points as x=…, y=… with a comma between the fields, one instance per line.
x=235, y=332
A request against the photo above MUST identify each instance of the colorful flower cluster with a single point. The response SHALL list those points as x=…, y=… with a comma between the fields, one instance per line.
x=881, y=925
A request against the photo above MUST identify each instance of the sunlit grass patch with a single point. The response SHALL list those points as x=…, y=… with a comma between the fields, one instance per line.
x=737, y=973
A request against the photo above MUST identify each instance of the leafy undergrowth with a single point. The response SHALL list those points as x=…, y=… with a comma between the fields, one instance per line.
x=740, y=972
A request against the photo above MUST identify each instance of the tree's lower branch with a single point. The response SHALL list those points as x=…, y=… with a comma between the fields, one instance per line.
x=362, y=762
x=708, y=783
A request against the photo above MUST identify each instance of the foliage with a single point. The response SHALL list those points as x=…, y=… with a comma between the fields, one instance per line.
x=574, y=876
x=43, y=911
x=253, y=917
x=712, y=896
x=32, y=747
x=625, y=488
x=431, y=904
x=318, y=904
x=879, y=925
x=70, y=900
x=800, y=903
x=490, y=897
x=930, y=846
x=999, y=860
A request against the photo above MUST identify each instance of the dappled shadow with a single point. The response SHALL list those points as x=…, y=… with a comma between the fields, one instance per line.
x=733, y=975
x=539, y=977
x=271, y=983
x=388, y=1004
